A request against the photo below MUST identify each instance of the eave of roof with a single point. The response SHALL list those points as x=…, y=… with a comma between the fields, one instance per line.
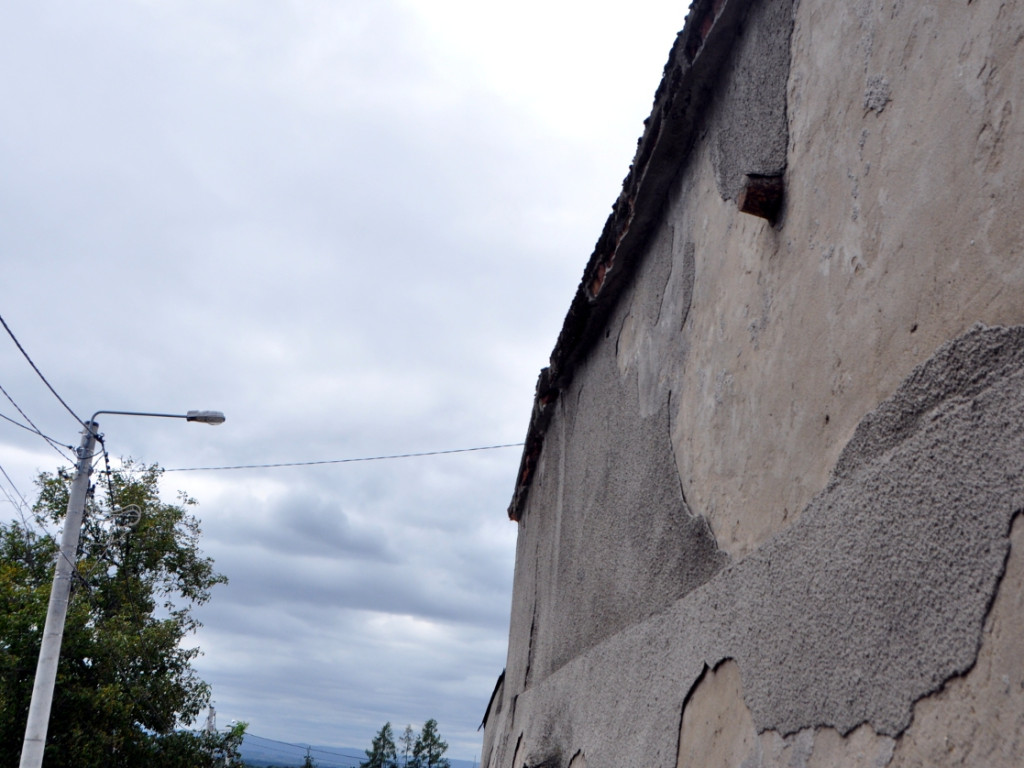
x=685, y=89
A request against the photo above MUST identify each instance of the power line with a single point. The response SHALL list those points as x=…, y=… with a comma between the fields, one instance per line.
x=345, y=461
x=17, y=423
x=33, y=428
x=307, y=747
x=38, y=372
x=23, y=507
x=24, y=504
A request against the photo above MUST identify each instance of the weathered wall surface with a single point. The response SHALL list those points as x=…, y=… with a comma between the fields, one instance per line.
x=901, y=229
x=975, y=720
x=768, y=517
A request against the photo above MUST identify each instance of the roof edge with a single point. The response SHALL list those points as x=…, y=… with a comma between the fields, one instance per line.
x=685, y=89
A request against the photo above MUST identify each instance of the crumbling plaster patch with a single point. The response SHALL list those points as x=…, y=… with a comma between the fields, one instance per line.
x=901, y=230
x=607, y=538
x=750, y=135
x=872, y=601
x=978, y=719
x=716, y=729
x=975, y=720
x=648, y=342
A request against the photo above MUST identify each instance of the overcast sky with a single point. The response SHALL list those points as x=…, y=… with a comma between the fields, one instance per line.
x=355, y=227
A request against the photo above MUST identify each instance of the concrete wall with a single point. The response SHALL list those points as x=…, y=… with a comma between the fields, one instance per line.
x=769, y=506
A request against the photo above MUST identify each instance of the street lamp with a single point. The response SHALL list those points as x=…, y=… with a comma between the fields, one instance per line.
x=56, y=611
x=203, y=417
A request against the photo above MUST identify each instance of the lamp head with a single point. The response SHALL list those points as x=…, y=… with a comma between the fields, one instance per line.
x=205, y=417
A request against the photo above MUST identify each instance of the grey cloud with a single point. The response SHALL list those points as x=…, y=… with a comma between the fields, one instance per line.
x=337, y=229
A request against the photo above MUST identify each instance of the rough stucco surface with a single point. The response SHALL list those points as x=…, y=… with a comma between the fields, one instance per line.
x=871, y=601
x=901, y=229
x=975, y=720
x=978, y=719
x=751, y=99
x=616, y=541
x=774, y=454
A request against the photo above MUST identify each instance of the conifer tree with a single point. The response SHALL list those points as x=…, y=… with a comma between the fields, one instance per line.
x=381, y=753
x=407, y=740
x=429, y=749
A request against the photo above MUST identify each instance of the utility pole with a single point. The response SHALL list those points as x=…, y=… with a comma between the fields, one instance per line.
x=53, y=631
x=56, y=612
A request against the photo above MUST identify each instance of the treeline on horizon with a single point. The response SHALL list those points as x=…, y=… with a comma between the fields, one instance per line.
x=410, y=750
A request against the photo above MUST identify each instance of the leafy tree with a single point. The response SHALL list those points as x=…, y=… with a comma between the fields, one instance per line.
x=185, y=749
x=381, y=753
x=429, y=749
x=125, y=683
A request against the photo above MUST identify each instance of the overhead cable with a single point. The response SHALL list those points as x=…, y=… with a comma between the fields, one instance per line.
x=38, y=372
x=308, y=747
x=345, y=461
x=23, y=506
x=34, y=430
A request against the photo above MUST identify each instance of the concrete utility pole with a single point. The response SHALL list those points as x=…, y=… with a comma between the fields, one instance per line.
x=56, y=612
x=53, y=631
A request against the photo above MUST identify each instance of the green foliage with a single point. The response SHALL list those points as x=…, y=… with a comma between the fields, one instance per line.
x=429, y=749
x=423, y=751
x=381, y=753
x=125, y=683
x=185, y=749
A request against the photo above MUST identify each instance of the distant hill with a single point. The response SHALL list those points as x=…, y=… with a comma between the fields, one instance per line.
x=260, y=752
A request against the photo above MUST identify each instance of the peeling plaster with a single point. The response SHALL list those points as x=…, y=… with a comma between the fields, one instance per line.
x=872, y=601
